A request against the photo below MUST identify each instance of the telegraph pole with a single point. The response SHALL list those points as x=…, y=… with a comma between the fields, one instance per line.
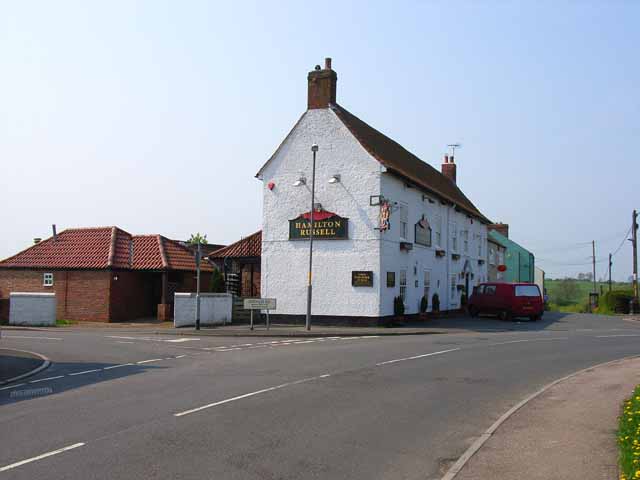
x=634, y=242
x=595, y=288
x=610, y=264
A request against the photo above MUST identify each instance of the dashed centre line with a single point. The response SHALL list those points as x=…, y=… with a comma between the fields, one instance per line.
x=415, y=357
x=40, y=457
x=247, y=395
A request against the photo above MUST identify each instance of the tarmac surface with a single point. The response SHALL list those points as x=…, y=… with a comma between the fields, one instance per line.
x=15, y=363
x=120, y=403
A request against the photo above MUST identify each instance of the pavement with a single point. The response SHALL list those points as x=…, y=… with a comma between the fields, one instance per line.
x=17, y=363
x=127, y=403
x=568, y=432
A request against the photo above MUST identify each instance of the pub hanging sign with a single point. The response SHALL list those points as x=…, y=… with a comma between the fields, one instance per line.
x=326, y=226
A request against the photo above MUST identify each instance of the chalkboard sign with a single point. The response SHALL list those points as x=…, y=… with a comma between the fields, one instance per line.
x=362, y=279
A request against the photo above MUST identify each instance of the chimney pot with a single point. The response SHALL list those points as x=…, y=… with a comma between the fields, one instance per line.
x=55, y=234
x=449, y=168
x=321, y=86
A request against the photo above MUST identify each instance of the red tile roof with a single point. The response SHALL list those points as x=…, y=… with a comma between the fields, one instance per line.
x=105, y=247
x=250, y=246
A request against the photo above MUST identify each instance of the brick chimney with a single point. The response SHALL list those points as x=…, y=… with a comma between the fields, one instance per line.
x=322, y=86
x=449, y=168
x=501, y=228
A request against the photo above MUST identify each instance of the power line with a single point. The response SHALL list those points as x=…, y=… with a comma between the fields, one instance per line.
x=622, y=242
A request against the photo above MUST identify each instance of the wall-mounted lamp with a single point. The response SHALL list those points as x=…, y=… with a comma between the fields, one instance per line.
x=301, y=181
x=115, y=277
x=335, y=179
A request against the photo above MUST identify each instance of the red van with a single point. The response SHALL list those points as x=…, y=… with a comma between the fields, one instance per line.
x=507, y=300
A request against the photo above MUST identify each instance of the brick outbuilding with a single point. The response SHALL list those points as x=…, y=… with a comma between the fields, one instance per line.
x=103, y=274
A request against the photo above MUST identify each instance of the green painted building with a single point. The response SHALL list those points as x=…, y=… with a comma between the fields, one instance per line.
x=519, y=261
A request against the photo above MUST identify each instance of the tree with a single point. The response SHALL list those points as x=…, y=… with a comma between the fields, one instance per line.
x=197, y=238
x=216, y=285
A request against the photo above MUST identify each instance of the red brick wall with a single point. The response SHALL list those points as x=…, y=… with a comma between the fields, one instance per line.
x=80, y=295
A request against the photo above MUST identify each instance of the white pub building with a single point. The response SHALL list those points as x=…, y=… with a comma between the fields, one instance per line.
x=386, y=224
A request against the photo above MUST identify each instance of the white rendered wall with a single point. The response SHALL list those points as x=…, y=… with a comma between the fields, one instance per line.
x=284, y=262
x=35, y=309
x=215, y=309
x=423, y=258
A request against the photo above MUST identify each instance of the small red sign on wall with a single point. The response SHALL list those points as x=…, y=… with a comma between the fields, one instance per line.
x=502, y=268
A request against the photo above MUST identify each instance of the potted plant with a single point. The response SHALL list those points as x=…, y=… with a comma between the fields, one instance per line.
x=424, y=305
x=398, y=312
x=435, y=303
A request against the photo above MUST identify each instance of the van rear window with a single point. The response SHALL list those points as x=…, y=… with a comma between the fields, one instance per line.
x=527, y=291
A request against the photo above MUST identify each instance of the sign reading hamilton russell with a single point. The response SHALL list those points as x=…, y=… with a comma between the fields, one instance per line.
x=326, y=226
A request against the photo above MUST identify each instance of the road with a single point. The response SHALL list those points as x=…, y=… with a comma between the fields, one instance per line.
x=119, y=404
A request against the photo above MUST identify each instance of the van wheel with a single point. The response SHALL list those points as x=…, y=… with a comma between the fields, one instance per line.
x=535, y=318
x=473, y=312
x=504, y=315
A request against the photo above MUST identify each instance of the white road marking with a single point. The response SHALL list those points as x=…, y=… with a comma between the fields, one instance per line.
x=149, y=361
x=45, y=379
x=125, y=342
x=416, y=357
x=257, y=346
x=36, y=338
x=180, y=340
x=247, y=395
x=619, y=335
x=86, y=371
x=529, y=340
x=306, y=341
x=118, y=366
x=40, y=457
x=13, y=386
x=181, y=356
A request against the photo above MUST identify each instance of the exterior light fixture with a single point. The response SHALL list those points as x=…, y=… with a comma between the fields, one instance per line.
x=334, y=179
x=301, y=181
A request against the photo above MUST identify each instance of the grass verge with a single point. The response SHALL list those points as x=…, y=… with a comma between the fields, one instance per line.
x=629, y=437
x=62, y=323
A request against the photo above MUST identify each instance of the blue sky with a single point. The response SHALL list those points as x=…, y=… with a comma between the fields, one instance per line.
x=155, y=116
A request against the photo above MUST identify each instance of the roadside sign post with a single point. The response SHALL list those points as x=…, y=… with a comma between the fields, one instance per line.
x=266, y=304
x=198, y=257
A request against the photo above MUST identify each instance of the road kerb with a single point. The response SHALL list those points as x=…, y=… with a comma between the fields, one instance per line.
x=477, y=445
x=45, y=364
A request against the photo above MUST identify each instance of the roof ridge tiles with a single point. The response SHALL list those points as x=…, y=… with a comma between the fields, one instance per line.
x=163, y=254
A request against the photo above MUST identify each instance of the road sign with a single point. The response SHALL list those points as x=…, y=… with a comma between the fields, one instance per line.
x=260, y=303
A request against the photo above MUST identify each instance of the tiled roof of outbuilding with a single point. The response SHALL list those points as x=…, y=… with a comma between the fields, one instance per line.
x=105, y=247
x=250, y=246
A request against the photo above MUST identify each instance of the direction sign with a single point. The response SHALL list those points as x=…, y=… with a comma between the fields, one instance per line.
x=260, y=303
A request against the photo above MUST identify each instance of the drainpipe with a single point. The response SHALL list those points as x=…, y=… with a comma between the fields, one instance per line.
x=447, y=279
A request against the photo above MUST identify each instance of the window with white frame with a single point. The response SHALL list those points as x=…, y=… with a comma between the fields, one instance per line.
x=427, y=284
x=453, y=287
x=47, y=279
x=465, y=241
x=422, y=231
x=454, y=237
x=403, y=285
x=404, y=221
x=438, y=230
x=480, y=241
